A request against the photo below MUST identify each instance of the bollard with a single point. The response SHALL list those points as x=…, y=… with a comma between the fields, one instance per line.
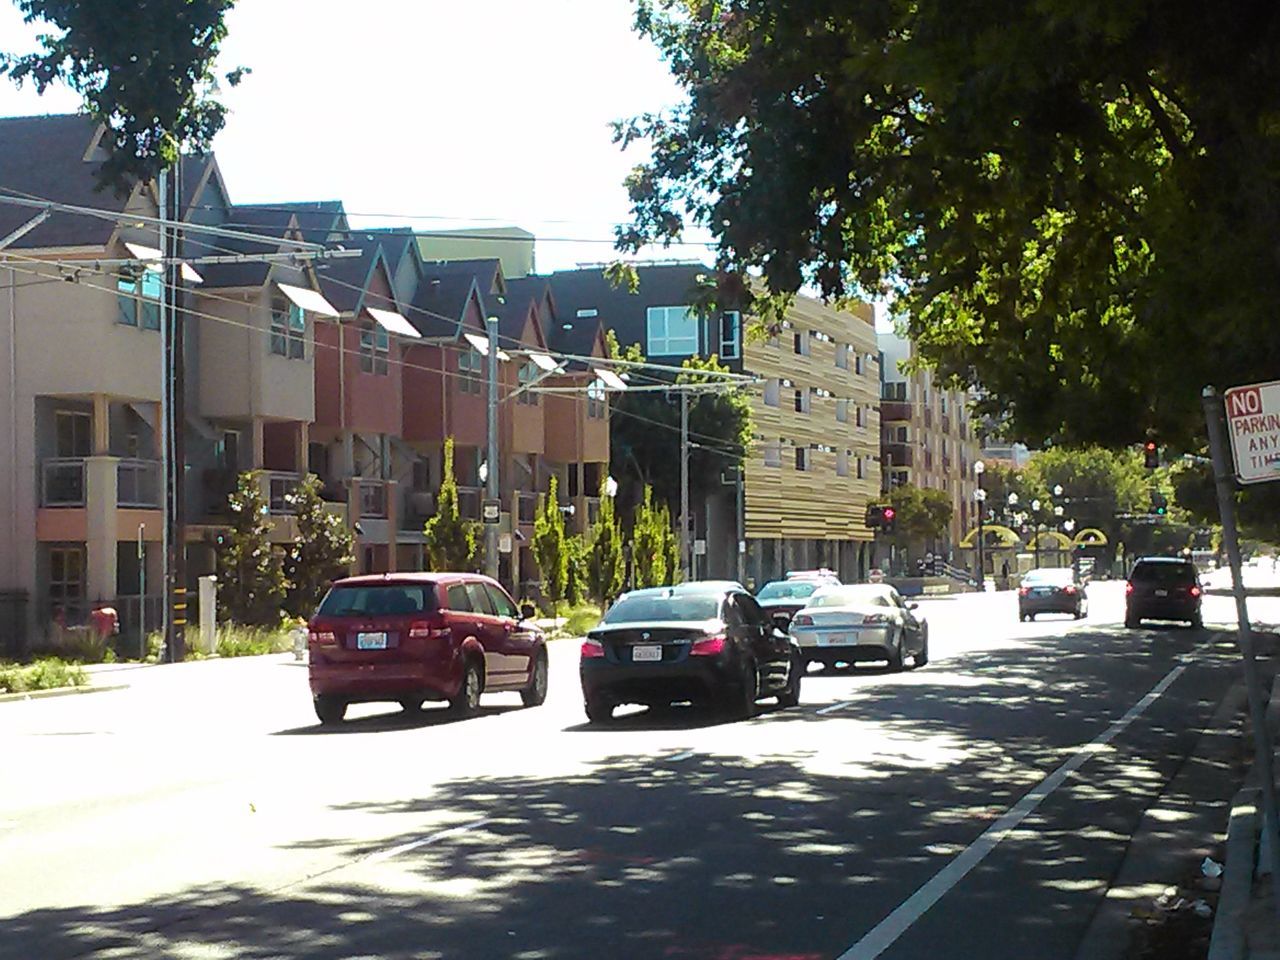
x=208, y=587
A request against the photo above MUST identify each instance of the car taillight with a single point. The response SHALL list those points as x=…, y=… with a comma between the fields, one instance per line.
x=1195, y=591
x=592, y=649
x=706, y=647
x=1024, y=591
x=323, y=638
x=876, y=618
x=802, y=620
x=428, y=630
x=1068, y=589
x=1128, y=588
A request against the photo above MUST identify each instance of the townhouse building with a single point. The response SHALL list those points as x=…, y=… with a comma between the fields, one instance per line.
x=928, y=437
x=812, y=465
x=355, y=366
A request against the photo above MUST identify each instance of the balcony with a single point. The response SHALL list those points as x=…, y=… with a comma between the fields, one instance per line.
x=895, y=410
x=373, y=499
x=279, y=488
x=62, y=482
x=898, y=455
x=138, y=484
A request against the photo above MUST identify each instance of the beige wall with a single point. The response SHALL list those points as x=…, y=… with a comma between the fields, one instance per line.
x=511, y=245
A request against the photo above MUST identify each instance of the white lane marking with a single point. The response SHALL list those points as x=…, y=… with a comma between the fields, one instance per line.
x=888, y=930
x=836, y=706
x=677, y=757
x=384, y=855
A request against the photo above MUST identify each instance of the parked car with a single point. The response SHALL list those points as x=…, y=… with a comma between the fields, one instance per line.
x=1052, y=590
x=864, y=621
x=1163, y=588
x=781, y=599
x=706, y=643
x=413, y=637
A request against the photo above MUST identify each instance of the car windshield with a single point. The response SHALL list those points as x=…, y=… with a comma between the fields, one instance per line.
x=1163, y=573
x=382, y=599
x=852, y=597
x=656, y=607
x=1054, y=577
x=787, y=590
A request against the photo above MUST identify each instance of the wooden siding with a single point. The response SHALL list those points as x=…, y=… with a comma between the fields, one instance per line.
x=816, y=504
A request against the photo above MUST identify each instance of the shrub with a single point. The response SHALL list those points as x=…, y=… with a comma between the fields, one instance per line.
x=46, y=674
x=580, y=619
x=238, y=641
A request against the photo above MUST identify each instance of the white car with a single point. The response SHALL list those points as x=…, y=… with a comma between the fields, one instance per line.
x=865, y=621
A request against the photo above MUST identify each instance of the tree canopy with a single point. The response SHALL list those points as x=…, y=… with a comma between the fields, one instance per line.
x=145, y=68
x=1072, y=202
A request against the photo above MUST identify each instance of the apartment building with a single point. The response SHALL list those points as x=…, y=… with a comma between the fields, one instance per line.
x=928, y=437
x=812, y=466
x=356, y=367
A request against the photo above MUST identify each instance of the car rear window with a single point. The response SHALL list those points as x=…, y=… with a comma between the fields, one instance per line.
x=660, y=608
x=1163, y=573
x=787, y=589
x=383, y=599
x=1058, y=576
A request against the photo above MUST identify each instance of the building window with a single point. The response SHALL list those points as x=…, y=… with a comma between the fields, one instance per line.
x=375, y=350
x=859, y=417
x=900, y=478
x=803, y=400
x=730, y=335
x=74, y=433
x=422, y=475
x=802, y=458
x=802, y=343
x=288, y=331
x=773, y=454
x=672, y=332
x=897, y=390
x=842, y=463
x=528, y=373
x=842, y=356
x=862, y=467
x=469, y=379
x=857, y=363
x=66, y=583
x=842, y=411
x=771, y=393
x=596, y=404
x=138, y=301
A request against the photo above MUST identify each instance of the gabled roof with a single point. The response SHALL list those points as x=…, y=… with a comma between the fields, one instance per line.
x=345, y=281
x=486, y=270
x=440, y=304
x=524, y=296
x=49, y=158
x=317, y=219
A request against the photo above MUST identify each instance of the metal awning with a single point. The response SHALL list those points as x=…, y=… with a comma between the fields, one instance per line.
x=610, y=379
x=393, y=322
x=544, y=362
x=481, y=344
x=308, y=300
x=154, y=258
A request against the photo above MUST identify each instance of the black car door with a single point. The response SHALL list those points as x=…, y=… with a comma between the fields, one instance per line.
x=770, y=646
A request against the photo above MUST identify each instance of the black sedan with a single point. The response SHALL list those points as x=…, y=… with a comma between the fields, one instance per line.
x=709, y=644
x=1051, y=590
x=1163, y=588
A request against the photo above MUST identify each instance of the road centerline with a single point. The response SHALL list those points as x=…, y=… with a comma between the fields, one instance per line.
x=884, y=934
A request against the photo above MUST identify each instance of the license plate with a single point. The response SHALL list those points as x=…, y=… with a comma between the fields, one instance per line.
x=834, y=639
x=1162, y=593
x=371, y=641
x=649, y=654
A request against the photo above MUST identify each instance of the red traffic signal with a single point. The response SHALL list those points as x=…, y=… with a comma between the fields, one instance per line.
x=889, y=514
x=1150, y=455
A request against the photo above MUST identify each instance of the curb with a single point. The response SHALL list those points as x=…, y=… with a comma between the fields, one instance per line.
x=1228, y=939
x=58, y=692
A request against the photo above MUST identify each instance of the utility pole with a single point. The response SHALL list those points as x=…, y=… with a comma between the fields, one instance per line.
x=741, y=517
x=684, y=484
x=175, y=421
x=492, y=490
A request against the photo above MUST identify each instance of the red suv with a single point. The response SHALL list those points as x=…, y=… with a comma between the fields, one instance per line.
x=413, y=637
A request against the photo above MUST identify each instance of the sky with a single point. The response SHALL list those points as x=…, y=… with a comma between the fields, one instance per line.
x=431, y=113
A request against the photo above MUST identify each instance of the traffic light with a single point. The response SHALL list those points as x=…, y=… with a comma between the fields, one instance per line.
x=1150, y=455
x=887, y=517
x=1159, y=505
x=875, y=516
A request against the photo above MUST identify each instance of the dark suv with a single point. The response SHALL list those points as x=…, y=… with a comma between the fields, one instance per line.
x=413, y=637
x=1163, y=588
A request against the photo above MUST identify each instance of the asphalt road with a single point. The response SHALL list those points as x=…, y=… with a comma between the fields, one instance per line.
x=973, y=808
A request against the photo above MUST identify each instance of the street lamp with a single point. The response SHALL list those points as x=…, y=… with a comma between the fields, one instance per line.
x=980, y=496
x=1035, y=520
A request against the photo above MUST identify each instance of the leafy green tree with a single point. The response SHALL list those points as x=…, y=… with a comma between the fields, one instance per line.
x=670, y=545
x=577, y=563
x=1097, y=484
x=549, y=549
x=451, y=541
x=1069, y=199
x=323, y=550
x=251, y=578
x=923, y=514
x=648, y=543
x=605, y=566
x=145, y=68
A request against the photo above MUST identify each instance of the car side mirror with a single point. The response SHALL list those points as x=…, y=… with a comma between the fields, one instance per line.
x=527, y=611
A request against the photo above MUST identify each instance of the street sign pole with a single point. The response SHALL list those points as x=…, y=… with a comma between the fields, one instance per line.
x=1222, y=474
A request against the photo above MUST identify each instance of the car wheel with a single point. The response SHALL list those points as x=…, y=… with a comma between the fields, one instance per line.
x=411, y=704
x=1197, y=622
x=467, y=700
x=790, y=695
x=1077, y=614
x=599, y=710
x=895, y=655
x=330, y=709
x=921, y=658
x=536, y=693
x=1031, y=617
x=1131, y=622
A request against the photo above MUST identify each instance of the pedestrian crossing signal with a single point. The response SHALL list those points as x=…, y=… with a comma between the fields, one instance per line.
x=1150, y=455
